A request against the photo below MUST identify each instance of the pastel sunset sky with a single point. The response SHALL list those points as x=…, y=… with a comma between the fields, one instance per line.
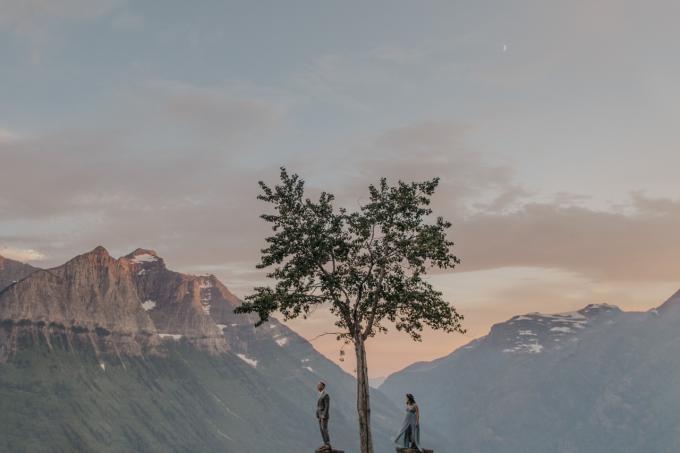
x=554, y=127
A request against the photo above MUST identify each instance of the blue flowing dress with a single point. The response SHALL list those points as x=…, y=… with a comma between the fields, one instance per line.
x=409, y=436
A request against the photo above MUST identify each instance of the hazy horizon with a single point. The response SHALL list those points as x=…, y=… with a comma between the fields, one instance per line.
x=552, y=128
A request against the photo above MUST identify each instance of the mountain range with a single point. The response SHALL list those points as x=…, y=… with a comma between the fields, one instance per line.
x=105, y=354
x=596, y=380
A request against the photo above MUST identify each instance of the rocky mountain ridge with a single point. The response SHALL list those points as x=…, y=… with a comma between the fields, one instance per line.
x=533, y=333
x=127, y=305
x=12, y=271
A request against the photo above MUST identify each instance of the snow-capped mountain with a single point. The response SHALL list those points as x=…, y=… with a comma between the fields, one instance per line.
x=535, y=332
x=593, y=381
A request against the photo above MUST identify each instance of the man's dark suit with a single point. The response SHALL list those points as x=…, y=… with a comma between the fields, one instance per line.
x=322, y=407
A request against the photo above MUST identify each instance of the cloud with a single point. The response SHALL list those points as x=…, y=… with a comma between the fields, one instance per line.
x=500, y=223
x=421, y=151
x=94, y=186
x=640, y=245
x=69, y=191
x=655, y=205
x=22, y=255
x=189, y=150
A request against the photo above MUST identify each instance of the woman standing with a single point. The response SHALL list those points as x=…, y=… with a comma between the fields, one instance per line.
x=409, y=436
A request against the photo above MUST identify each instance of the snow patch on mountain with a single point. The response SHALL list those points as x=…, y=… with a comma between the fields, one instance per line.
x=172, y=336
x=144, y=258
x=530, y=348
x=561, y=329
x=248, y=360
x=534, y=333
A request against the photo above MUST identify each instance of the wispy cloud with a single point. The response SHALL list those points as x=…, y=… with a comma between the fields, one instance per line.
x=23, y=255
x=606, y=245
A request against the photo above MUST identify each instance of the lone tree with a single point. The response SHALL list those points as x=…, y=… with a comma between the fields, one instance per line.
x=366, y=266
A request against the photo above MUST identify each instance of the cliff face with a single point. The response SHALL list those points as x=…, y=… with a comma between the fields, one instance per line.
x=91, y=299
x=179, y=305
x=12, y=271
x=92, y=290
x=127, y=306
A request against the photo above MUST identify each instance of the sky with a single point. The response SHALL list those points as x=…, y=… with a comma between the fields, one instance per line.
x=552, y=125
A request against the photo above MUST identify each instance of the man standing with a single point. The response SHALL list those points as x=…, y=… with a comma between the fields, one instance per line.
x=322, y=407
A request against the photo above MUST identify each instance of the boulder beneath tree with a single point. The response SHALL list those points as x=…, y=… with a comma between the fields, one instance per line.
x=413, y=450
x=326, y=450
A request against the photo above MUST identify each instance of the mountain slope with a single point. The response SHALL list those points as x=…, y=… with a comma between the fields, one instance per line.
x=62, y=400
x=283, y=357
x=178, y=304
x=597, y=380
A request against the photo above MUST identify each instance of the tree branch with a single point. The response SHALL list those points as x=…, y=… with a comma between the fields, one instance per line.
x=326, y=333
x=374, y=307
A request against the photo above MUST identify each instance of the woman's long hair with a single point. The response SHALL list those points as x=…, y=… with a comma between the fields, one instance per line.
x=411, y=400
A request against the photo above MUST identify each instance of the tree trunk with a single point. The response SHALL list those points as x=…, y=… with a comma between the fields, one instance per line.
x=363, y=398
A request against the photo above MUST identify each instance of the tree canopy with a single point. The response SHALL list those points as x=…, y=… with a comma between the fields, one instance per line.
x=368, y=266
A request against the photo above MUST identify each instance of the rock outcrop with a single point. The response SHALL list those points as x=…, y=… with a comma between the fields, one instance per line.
x=180, y=305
